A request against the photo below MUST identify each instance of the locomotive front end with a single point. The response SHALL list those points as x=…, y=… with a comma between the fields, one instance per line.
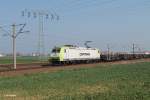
x=55, y=55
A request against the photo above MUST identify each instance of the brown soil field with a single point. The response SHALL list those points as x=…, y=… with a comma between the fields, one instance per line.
x=25, y=69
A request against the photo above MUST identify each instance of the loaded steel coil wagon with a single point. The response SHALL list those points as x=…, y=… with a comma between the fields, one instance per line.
x=69, y=54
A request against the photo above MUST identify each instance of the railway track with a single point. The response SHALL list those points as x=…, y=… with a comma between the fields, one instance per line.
x=23, y=69
x=21, y=66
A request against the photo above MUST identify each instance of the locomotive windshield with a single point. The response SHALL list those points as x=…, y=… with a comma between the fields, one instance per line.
x=56, y=50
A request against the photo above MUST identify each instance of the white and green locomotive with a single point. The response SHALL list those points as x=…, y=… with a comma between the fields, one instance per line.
x=69, y=54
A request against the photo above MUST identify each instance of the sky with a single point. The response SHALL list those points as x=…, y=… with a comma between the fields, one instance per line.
x=117, y=23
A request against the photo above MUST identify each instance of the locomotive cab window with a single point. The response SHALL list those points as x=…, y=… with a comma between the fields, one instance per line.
x=56, y=50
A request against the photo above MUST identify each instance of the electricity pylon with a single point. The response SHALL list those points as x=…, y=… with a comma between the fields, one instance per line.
x=41, y=14
x=14, y=35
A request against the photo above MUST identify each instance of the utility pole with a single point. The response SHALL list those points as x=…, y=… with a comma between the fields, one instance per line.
x=14, y=35
x=133, y=48
x=108, y=52
x=14, y=44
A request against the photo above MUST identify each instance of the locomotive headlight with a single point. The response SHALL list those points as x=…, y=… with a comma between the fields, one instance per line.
x=54, y=54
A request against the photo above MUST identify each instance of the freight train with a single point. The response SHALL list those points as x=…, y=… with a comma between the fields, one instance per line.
x=70, y=54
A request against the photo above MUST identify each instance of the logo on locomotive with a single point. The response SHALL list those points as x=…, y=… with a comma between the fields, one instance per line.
x=84, y=54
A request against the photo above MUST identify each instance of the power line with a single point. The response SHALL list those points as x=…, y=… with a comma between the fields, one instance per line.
x=75, y=5
x=78, y=6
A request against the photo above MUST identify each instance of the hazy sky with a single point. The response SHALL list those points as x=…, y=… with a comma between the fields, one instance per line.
x=118, y=23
